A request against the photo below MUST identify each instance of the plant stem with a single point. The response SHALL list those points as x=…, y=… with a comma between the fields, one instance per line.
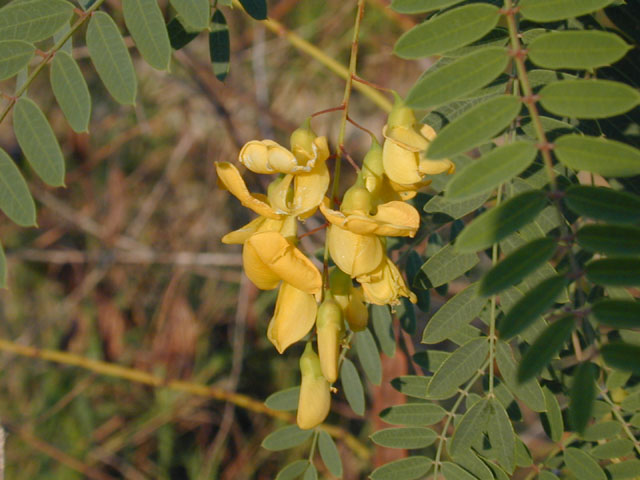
x=616, y=413
x=492, y=321
x=49, y=55
x=314, y=442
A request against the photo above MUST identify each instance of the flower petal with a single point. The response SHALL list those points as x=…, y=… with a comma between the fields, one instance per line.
x=269, y=256
x=397, y=219
x=434, y=167
x=278, y=193
x=242, y=234
x=293, y=318
x=385, y=285
x=255, y=156
x=400, y=164
x=354, y=254
x=407, y=138
x=281, y=159
x=230, y=177
x=309, y=189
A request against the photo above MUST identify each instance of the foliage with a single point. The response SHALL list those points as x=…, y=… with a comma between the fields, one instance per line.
x=524, y=264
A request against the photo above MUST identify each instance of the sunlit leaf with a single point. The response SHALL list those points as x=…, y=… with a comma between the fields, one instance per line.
x=471, y=427
x=368, y=355
x=382, y=324
x=404, y=437
x=582, y=465
x=619, y=271
x=546, y=346
x=219, y=46
x=491, y=170
x=352, y=386
x=598, y=155
x=551, y=10
x=451, y=30
x=446, y=265
x=33, y=20
x=475, y=127
x=293, y=470
x=577, y=49
x=602, y=430
x=311, y=473
x=458, y=368
x=406, y=469
x=624, y=470
x=616, y=448
x=286, y=400
x=146, y=25
x=459, y=311
x=501, y=435
x=38, y=142
x=622, y=356
x=499, y=222
x=413, y=414
x=194, y=13
x=458, y=78
x=455, y=208
x=451, y=471
x=71, y=91
x=14, y=56
x=111, y=58
x=329, y=454
x=420, y=6
x=582, y=395
x=15, y=199
x=588, y=98
x=285, y=438
x=412, y=385
x=552, y=421
x=517, y=265
x=529, y=392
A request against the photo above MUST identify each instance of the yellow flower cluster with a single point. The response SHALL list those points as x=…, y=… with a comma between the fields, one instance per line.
x=373, y=208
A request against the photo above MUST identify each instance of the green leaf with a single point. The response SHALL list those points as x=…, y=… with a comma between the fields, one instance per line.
x=616, y=448
x=463, y=76
x=352, y=386
x=144, y=20
x=491, y=170
x=610, y=239
x=15, y=199
x=38, y=142
x=178, y=36
x=529, y=392
x=455, y=208
x=446, y=265
x=453, y=315
x=71, y=91
x=598, y=155
x=412, y=385
x=368, y=355
x=601, y=203
x=219, y=46
x=458, y=368
x=33, y=20
x=517, y=265
x=404, y=437
x=622, y=356
x=194, y=13
x=552, y=10
x=582, y=395
x=499, y=222
x=285, y=438
x=430, y=359
x=617, y=313
x=582, y=465
x=546, y=346
x=577, y=49
x=552, y=421
x=448, y=31
x=111, y=58
x=623, y=470
x=382, y=324
x=413, y=414
x=544, y=475
x=588, y=98
x=475, y=127
x=451, y=471
x=470, y=428
x=619, y=271
x=284, y=400
x=631, y=403
x=420, y=6
x=523, y=456
x=329, y=454
x=501, y=435
x=600, y=431
x=293, y=470
x=255, y=8
x=311, y=473
x=406, y=469
x=14, y=56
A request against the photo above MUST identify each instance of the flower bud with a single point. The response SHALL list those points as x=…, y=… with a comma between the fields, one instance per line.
x=357, y=313
x=400, y=115
x=302, y=140
x=372, y=169
x=315, y=396
x=330, y=329
x=357, y=200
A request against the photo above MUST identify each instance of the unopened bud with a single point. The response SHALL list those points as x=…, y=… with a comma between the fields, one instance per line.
x=315, y=396
x=400, y=115
x=330, y=329
x=302, y=140
x=357, y=200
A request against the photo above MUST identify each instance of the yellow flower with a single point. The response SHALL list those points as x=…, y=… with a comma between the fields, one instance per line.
x=385, y=285
x=293, y=318
x=315, y=396
x=350, y=299
x=354, y=254
x=268, y=258
x=330, y=329
x=403, y=153
x=286, y=226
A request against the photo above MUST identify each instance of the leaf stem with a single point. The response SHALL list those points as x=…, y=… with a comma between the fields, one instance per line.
x=616, y=413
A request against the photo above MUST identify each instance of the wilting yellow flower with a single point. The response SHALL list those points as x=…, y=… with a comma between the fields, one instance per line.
x=330, y=329
x=385, y=285
x=293, y=318
x=403, y=153
x=268, y=258
x=315, y=396
x=350, y=299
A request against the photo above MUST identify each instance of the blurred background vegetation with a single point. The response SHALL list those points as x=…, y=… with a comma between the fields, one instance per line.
x=126, y=265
